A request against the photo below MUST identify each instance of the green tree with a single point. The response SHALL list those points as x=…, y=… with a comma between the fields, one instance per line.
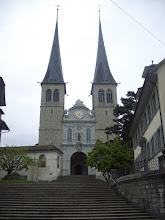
x=109, y=156
x=124, y=115
x=13, y=159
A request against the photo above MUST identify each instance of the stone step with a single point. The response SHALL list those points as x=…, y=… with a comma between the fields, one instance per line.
x=80, y=191
x=81, y=217
x=65, y=203
x=68, y=211
x=69, y=197
x=69, y=208
x=60, y=195
x=72, y=216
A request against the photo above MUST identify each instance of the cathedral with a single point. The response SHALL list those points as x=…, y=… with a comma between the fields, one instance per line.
x=66, y=136
x=74, y=131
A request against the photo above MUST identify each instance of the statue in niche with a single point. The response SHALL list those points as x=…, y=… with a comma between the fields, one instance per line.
x=79, y=137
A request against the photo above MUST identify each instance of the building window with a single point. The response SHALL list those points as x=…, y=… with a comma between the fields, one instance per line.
x=42, y=159
x=149, y=114
x=109, y=96
x=155, y=144
x=152, y=146
x=56, y=95
x=148, y=151
x=88, y=135
x=156, y=99
x=159, y=138
x=48, y=95
x=69, y=135
x=145, y=121
x=58, y=162
x=101, y=96
x=153, y=105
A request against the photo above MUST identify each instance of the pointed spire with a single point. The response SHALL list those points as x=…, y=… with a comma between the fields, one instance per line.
x=102, y=71
x=54, y=72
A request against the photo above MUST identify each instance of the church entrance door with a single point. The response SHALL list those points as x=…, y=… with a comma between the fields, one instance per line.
x=78, y=164
x=78, y=170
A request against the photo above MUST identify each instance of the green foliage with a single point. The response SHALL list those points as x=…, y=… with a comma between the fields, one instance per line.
x=109, y=156
x=15, y=159
x=124, y=114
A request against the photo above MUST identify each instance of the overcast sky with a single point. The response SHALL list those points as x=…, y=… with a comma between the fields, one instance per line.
x=26, y=35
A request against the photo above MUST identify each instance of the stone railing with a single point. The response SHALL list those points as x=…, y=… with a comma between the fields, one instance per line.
x=146, y=188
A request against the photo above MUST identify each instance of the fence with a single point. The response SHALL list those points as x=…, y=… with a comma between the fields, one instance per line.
x=140, y=166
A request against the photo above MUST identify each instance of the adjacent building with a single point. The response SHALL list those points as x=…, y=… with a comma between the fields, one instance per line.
x=3, y=125
x=147, y=130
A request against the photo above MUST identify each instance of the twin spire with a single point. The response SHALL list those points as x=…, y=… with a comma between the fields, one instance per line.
x=102, y=72
x=54, y=74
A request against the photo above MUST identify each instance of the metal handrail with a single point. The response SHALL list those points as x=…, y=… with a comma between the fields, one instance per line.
x=120, y=190
x=139, y=166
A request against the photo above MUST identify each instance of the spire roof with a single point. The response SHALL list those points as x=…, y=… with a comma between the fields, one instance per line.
x=102, y=72
x=54, y=74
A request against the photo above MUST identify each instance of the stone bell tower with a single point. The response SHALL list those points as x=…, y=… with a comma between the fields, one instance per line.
x=104, y=95
x=52, y=98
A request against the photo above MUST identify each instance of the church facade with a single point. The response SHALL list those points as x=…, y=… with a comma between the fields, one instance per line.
x=78, y=139
x=66, y=136
x=76, y=130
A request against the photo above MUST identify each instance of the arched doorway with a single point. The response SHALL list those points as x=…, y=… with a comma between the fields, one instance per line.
x=78, y=164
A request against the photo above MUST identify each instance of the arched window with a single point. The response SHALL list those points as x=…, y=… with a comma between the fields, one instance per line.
x=109, y=96
x=88, y=135
x=56, y=95
x=101, y=95
x=42, y=159
x=48, y=95
x=69, y=135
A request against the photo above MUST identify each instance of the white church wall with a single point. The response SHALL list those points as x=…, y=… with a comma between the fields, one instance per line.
x=50, y=172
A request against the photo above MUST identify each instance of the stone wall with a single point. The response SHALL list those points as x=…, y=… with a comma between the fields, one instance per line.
x=146, y=189
x=51, y=115
x=103, y=111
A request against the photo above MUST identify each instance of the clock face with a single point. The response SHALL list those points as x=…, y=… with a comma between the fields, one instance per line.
x=79, y=114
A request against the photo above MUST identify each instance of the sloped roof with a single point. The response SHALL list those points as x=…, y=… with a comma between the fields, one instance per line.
x=39, y=148
x=3, y=125
x=102, y=74
x=54, y=74
x=147, y=69
x=2, y=92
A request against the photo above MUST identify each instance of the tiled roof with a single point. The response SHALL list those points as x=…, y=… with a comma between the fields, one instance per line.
x=40, y=148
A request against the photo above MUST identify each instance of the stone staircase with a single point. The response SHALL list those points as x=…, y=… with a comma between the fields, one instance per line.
x=69, y=197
